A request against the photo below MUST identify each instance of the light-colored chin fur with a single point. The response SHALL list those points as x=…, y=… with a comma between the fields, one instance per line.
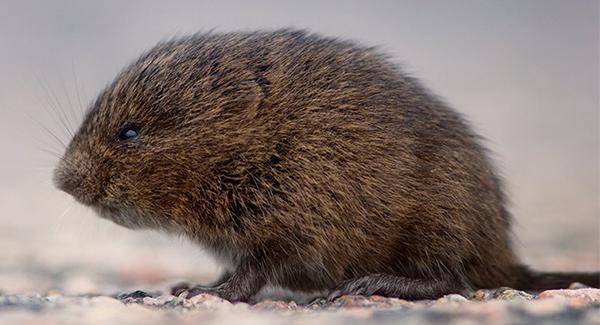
x=118, y=216
x=131, y=219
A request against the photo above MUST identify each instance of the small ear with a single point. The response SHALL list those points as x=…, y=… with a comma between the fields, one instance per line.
x=243, y=91
x=256, y=97
x=262, y=87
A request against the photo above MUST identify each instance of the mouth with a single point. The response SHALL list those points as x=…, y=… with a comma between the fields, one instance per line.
x=132, y=218
x=120, y=216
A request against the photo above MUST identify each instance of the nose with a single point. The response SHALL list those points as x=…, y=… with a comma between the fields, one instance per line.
x=66, y=180
x=72, y=179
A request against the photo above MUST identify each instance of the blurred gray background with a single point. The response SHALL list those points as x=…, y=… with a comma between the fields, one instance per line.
x=524, y=72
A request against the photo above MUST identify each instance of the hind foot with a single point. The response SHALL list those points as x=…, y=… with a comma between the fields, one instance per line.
x=396, y=286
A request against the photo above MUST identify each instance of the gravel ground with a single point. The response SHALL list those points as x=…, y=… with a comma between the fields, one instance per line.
x=45, y=286
x=501, y=306
x=124, y=277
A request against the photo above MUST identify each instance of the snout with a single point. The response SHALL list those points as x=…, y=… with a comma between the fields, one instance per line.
x=69, y=179
x=66, y=180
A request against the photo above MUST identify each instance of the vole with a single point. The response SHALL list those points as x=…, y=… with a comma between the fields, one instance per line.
x=300, y=161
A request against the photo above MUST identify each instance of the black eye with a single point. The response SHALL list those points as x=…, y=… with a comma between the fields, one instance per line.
x=129, y=131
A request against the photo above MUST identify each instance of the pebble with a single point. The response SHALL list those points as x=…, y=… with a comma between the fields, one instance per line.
x=351, y=302
x=208, y=301
x=274, y=305
x=134, y=294
x=578, y=285
x=506, y=293
x=503, y=293
x=149, y=301
x=453, y=300
x=482, y=295
x=573, y=297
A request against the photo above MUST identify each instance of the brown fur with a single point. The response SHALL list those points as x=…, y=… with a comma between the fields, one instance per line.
x=300, y=161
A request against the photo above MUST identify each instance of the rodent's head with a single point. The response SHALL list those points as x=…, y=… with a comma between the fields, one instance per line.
x=157, y=141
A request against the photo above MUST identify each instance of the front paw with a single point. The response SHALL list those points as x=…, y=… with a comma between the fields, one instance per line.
x=221, y=291
x=197, y=290
x=180, y=288
x=188, y=291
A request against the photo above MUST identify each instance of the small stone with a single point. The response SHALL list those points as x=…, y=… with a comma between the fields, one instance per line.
x=134, y=294
x=453, y=298
x=207, y=300
x=388, y=302
x=272, y=305
x=131, y=300
x=163, y=299
x=451, y=301
x=573, y=297
x=175, y=302
x=506, y=293
x=578, y=285
x=149, y=301
x=482, y=295
x=351, y=302
x=376, y=298
x=135, y=297
x=55, y=299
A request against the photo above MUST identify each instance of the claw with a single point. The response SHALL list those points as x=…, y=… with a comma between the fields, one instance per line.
x=191, y=292
x=333, y=295
x=180, y=288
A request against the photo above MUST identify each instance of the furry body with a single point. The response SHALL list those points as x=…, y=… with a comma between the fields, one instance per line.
x=299, y=161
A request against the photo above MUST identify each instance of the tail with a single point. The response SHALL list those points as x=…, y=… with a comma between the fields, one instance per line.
x=530, y=280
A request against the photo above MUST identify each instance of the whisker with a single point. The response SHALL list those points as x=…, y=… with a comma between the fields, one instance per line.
x=60, y=219
x=71, y=107
x=47, y=130
x=52, y=153
x=77, y=93
x=54, y=103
